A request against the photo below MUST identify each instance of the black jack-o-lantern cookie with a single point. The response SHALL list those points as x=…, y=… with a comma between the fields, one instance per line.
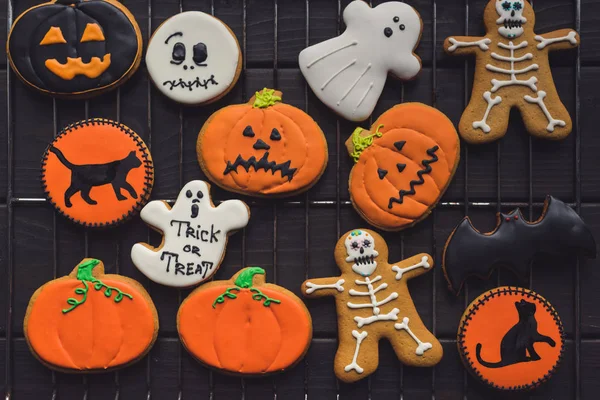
x=75, y=48
x=511, y=338
x=97, y=172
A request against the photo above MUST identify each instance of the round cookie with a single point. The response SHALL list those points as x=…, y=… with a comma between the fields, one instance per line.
x=262, y=148
x=90, y=322
x=75, y=48
x=403, y=165
x=511, y=339
x=97, y=173
x=194, y=58
x=244, y=326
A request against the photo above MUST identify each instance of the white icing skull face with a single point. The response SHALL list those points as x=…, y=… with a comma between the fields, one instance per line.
x=360, y=247
x=195, y=197
x=511, y=19
x=193, y=58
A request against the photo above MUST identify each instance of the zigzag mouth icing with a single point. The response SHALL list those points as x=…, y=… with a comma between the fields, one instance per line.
x=512, y=23
x=262, y=164
x=364, y=260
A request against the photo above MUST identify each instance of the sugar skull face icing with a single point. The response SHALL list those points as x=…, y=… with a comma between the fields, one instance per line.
x=511, y=18
x=193, y=58
x=360, y=247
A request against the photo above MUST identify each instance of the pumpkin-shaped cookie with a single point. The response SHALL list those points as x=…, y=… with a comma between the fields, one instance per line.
x=75, y=47
x=262, y=148
x=244, y=325
x=89, y=321
x=403, y=165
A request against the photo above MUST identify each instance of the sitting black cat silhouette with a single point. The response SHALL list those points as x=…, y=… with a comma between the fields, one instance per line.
x=85, y=177
x=519, y=340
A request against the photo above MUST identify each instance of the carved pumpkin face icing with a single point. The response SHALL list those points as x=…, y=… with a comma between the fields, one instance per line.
x=262, y=148
x=73, y=47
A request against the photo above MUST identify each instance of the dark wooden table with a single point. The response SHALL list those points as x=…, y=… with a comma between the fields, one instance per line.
x=293, y=239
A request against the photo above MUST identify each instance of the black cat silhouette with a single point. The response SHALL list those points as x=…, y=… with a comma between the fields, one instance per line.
x=519, y=340
x=85, y=177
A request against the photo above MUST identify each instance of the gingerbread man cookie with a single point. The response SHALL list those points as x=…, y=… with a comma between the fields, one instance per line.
x=195, y=236
x=373, y=302
x=513, y=71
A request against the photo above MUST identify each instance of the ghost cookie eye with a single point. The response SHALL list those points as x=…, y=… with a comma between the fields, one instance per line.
x=178, y=54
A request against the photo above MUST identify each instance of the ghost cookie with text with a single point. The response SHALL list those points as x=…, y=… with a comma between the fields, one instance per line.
x=511, y=339
x=262, y=148
x=194, y=233
x=348, y=72
x=373, y=303
x=97, y=173
x=513, y=70
x=75, y=48
x=194, y=58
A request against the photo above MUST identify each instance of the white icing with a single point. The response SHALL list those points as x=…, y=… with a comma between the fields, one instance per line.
x=195, y=234
x=422, y=347
x=360, y=249
x=424, y=263
x=353, y=88
x=184, y=80
x=359, y=336
x=311, y=287
x=571, y=37
x=539, y=100
x=527, y=56
x=513, y=72
x=491, y=103
x=511, y=46
x=532, y=67
x=391, y=316
x=511, y=19
x=482, y=44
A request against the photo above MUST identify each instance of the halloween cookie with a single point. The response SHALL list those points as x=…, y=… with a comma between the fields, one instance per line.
x=262, y=148
x=245, y=326
x=97, y=173
x=348, y=72
x=194, y=58
x=75, y=48
x=513, y=70
x=514, y=243
x=195, y=235
x=511, y=338
x=89, y=321
x=403, y=165
x=373, y=302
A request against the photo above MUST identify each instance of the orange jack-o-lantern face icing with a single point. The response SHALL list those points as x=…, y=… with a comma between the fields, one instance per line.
x=511, y=338
x=403, y=165
x=262, y=148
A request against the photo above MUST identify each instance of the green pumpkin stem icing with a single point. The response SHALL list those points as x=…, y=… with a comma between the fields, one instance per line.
x=265, y=98
x=84, y=274
x=360, y=142
x=244, y=281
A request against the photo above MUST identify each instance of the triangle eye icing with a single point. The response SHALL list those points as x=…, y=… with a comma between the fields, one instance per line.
x=382, y=173
x=92, y=33
x=53, y=36
x=275, y=135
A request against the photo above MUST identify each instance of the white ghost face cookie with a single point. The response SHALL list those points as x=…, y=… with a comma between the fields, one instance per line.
x=348, y=72
x=194, y=58
x=195, y=236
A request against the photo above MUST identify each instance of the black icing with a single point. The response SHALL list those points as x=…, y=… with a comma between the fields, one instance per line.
x=396, y=19
x=248, y=131
x=388, y=32
x=399, y=145
x=514, y=243
x=191, y=85
x=275, y=135
x=424, y=171
x=29, y=58
x=382, y=173
x=402, y=27
x=400, y=167
x=178, y=55
x=200, y=54
x=262, y=164
x=261, y=145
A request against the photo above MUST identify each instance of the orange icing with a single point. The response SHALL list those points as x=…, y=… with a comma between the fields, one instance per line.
x=92, y=33
x=422, y=128
x=75, y=66
x=53, y=36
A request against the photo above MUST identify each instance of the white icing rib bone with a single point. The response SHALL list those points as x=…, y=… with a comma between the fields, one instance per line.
x=497, y=84
x=359, y=336
x=311, y=287
x=422, y=346
x=374, y=304
x=552, y=123
x=571, y=37
x=483, y=44
x=401, y=271
x=391, y=316
x=527, y=56
x=511, y=46
x=532, y=67
x=491, y=103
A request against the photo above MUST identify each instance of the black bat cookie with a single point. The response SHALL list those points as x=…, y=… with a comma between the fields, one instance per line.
x=514, y=243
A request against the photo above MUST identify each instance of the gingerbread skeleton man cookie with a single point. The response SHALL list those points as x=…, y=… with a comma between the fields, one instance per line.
x=348, y=72
x=195, y=236
x=513, y=71
x=373, y=302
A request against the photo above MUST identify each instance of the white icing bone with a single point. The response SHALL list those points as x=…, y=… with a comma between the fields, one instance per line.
x=482, y=44
x=513, y=72
x=401, y=271
x=391, y=316
x=359, y=336
x=491, y=103
x=422, y=347
x=539, y=100
x=571, y=37
x=311, y=287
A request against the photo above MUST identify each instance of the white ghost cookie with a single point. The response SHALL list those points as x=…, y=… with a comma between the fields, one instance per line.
x=195, y=235
x=348, y=72
x=194, y=58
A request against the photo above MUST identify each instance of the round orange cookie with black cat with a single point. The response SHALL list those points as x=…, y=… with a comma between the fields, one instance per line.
x=511, y=338
x=97, y=172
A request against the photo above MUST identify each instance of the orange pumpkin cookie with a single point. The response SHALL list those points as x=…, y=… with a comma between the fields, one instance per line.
x=97, y=172
x=245, y=326
x=403, y=165
x=262, y=148
x=89, y=321
x=511, y=338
